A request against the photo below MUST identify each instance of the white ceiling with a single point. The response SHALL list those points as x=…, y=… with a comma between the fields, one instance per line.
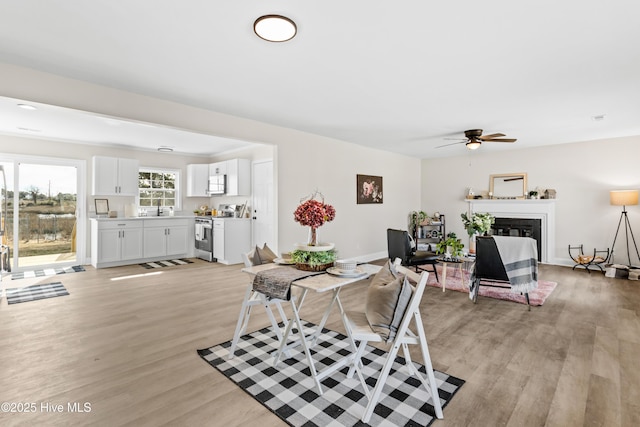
x=400, y=76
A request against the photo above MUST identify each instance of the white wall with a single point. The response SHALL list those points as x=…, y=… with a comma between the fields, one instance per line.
x=582, y=173
x=303, y=164
x=331, y=167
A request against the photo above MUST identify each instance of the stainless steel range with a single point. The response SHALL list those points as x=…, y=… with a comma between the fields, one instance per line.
x=204, y=238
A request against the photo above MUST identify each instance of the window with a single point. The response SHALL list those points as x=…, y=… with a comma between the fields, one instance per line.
x=159, y=187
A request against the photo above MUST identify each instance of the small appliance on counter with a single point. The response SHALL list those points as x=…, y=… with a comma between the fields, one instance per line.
x=229, y=211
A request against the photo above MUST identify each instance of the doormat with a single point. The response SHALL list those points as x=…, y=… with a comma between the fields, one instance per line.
x=289, y=391
x=167, y=263
x=461, y=284
x=46, y=272
x=35, y=292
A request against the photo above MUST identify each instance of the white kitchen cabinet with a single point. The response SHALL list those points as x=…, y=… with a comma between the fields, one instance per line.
x=198, y=180
x=132, y=241
x=238, y=177
x=231, y=238
x=218, y=168
x=114, y=177
x=165, y=237
x=115, y=242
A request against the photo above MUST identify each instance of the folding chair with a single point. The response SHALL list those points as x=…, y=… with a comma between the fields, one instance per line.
x=358, y=329
x=251, y=299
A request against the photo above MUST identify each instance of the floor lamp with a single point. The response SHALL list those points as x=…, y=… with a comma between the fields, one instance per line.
x=624, y=198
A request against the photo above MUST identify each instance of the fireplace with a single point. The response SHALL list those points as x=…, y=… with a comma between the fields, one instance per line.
x=519, y=227
x=527, y=218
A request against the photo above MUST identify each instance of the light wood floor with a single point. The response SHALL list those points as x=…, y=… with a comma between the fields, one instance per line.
x=128, y=348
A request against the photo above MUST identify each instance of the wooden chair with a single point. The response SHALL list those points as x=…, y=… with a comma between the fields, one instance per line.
x=358, y=330
x=252, y=299
x=399, y=246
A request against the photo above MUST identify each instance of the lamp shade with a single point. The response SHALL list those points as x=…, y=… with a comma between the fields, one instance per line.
x=623, y=197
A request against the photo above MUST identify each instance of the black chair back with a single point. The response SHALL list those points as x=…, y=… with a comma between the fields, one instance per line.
x=398, y=245
x=488, y=262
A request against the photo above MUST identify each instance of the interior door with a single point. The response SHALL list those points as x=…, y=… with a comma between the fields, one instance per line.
x=263, y=208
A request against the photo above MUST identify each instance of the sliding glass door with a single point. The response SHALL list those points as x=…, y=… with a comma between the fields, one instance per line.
x=42, y=225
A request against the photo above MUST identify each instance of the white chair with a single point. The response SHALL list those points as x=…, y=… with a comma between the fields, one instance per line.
x=359, y=330
x=251, y=299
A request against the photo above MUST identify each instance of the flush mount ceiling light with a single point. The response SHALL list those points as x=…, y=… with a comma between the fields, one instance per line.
x=165, y=149
x=27, y=107
x=473, y=145
x=275, y=28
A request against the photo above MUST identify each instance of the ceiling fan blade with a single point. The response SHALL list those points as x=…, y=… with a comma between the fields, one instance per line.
x=493, y=135
x=502, y=140
x=453, y=143
x=454, y=139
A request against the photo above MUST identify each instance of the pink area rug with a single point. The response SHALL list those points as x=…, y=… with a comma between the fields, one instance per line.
x=455, y=283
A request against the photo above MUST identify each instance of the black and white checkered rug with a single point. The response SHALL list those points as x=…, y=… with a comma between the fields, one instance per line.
x=167, y=263
x=35, y=292
x=46, y=272
x=289, y=391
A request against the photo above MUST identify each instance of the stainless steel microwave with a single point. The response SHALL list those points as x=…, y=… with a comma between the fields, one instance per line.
x=217, y=184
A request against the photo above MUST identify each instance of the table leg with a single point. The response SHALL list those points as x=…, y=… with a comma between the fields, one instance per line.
x=325, y=316
x=287, y=331
x=309, y=342
x=444, y=275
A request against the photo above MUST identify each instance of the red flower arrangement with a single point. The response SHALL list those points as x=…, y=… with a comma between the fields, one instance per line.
x=314, y=213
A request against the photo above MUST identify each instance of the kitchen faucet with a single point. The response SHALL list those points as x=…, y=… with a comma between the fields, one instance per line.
x=159, y=210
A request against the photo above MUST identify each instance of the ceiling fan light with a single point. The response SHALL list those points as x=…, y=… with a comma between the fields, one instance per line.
x=275, y=28
x=473, y=145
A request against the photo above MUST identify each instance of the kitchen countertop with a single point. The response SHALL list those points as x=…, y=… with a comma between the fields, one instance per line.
x=121, y=218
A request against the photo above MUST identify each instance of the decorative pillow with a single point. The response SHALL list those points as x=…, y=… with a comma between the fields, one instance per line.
x=388, y=297
x=263, y=255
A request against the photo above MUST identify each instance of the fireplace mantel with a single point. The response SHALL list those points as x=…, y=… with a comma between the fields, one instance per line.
x=543, y=209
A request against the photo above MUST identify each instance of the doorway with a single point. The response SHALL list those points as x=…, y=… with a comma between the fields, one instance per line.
x=43, y=223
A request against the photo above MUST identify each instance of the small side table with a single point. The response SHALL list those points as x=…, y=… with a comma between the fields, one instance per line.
x=460, y=263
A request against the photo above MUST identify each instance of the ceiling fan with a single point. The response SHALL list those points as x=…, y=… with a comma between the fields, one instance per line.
x=474, y=139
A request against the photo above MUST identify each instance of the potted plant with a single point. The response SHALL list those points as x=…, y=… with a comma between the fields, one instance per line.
x=415, y=219
x=313, y=261
x=479, y=223
x=533, y=194
x=451, y=247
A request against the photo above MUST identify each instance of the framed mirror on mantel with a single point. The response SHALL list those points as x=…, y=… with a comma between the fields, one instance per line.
x=508, y=186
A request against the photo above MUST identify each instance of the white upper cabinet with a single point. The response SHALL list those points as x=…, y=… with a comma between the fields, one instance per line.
x=114, y=177
x=237, y=172
x=238, y=177
x=198, y=180
x=219, y=168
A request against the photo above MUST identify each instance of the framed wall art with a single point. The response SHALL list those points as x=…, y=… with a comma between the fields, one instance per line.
x=368, y=189
x=102, y=206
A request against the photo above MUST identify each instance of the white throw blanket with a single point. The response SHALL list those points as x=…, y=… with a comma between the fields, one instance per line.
x=520, y=258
